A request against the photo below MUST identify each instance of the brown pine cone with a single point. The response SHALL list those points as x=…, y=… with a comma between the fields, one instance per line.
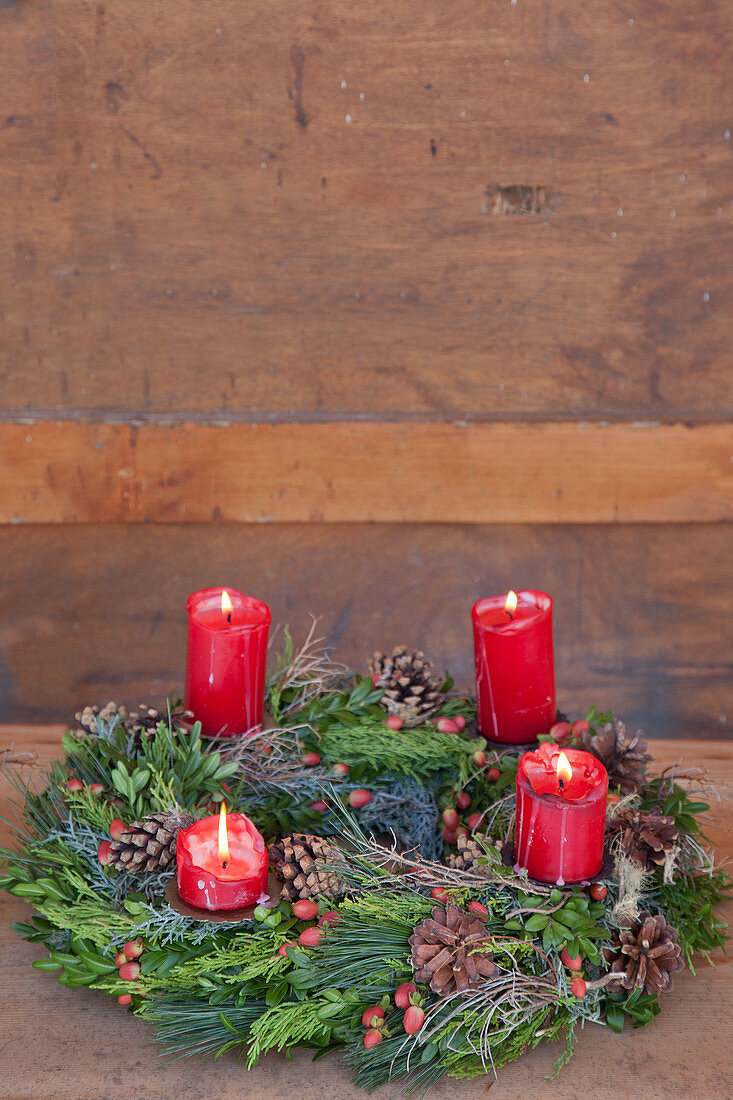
x=444, y=951
x=139, y=723
x=467, y=854
x=624, y=758
x=298, y=861
x=647, y=838
x=411, y=691
x=150, y=844
x=644, y=955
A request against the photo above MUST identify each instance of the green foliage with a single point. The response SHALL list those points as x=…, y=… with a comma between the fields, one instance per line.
x=673, y=802
x=689, y=903
x=574, y=922
x=640, y=1008
x=421, y=752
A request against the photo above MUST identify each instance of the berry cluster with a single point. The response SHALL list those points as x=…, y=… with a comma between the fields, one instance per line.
x=408, y=1001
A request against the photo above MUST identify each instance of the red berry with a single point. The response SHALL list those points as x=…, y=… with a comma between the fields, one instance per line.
x=124, y=999
x=117, y=828
x=414, y=1019
x=130, y=972
x=310, y=759
x=446, y=725
x=75, y=785
x=439, y=893
x=360, y=797
x=598, y=891
x=462, y=831
x=581, y=726
x=97, y=789
x=394, y=723
x=403, y=993
x=283, y=949
x=572, y=962
x=311, y=937
x=121, y=958
x=371, y=1015
x=450, y=819
x=104, y=852
x=341, y=769
x=474, y=821
x=463, y=800
x=460, y=721
x=577, y=987
x=319, y=806
x=480, y=758
x=329, y=919
x=305, y=909
x=134, y=948
x=561, y=732
x=478, y=909
x=613, y=797
x=448, y=835
x=493, y=774
x=373, y=1038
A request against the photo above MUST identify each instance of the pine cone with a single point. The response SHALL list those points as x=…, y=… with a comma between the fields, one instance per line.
x=411, y=691
x=444, y=951
x=644, y=955
x=645, y=838
x=139, y=723
x=468, y=852
x=150, y=844
x=87, y=718
x=296, y=858
x=624, y=758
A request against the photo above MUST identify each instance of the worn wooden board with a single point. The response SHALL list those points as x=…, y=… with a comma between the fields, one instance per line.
x=93, y=1050
x=642, y=613
x=415, y=473
x=230, y=209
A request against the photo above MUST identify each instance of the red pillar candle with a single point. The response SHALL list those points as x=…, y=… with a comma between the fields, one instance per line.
x=221, y=863
x=226, y=659
x=561, y=814
x=515, y=671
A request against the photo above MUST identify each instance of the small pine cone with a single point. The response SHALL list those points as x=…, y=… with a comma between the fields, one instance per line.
x=644, y=955
x=150, y=844
x=444, y=951
x=145, y=720
x=467, y=854
x=624, y=758
x=87, y=718
x=646, y=838
x=299, y=860
x=411, y=691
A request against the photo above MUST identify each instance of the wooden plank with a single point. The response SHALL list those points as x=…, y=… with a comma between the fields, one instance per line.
x=661, y=1062
x=229, y=210
x=447, y=473
x=643, y=624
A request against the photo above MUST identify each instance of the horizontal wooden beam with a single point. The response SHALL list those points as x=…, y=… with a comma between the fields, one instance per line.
x=60, y=472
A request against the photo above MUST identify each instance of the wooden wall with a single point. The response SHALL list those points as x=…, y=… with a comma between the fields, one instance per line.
x=368, y=309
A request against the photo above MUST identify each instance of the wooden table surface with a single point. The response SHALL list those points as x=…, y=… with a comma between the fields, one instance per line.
x=79, y=1045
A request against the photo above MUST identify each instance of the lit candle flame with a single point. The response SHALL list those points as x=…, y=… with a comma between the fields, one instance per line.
x=226, y=604
x=223, y=836
x=511, y=602
x=563, y=769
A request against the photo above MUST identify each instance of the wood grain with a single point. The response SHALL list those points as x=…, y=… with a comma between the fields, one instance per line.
x=225, y=209
x=414, y=473
x=92, y=1049
x=642, y=613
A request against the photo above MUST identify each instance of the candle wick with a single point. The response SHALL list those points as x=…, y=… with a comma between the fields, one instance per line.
x=562, y=783
x=223, y=865
x=229, y=618
x=511, y=617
